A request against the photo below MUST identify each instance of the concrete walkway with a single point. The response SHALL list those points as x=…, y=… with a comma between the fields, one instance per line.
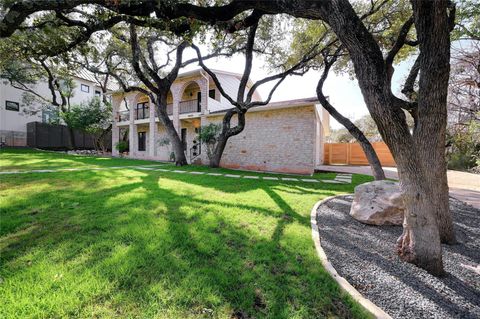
x=339, y=178
x=463, y=186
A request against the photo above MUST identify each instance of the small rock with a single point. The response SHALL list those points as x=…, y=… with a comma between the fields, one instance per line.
x=378, y=203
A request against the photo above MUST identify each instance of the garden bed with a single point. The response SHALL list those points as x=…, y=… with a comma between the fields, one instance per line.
x=365, y=256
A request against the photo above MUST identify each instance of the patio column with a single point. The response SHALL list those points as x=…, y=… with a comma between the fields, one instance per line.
x=176, y=96
x=116, y=101
x=203, y=83
x=152, y=131
x=132, y=132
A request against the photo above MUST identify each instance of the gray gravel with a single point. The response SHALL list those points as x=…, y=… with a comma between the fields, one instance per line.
x=364, y=255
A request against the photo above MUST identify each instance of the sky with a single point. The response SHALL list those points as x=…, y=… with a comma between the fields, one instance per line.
x=344, y=93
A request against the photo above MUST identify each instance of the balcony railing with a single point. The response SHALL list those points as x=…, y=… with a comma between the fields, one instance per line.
x=190, y=106
x=123, y=116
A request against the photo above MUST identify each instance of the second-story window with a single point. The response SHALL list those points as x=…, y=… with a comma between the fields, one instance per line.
x=98, y=93
x=85, y=88
x=142, y=111
x=12, y=106
x=211, y=94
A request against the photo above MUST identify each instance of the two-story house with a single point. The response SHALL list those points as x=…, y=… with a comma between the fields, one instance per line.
x=282, y=136
x=14, y=115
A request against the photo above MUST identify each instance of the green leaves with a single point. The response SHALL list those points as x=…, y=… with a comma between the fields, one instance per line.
x=91, y=117
x=209, y=133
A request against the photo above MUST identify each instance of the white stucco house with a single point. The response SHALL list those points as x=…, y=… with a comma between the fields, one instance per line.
x=14, y=115
x=284, y=136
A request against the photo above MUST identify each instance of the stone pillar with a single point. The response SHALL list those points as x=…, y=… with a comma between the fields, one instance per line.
x=116, y=101
x=176, y=97
x=132, y=132
x=204, y=88
x=152, y=131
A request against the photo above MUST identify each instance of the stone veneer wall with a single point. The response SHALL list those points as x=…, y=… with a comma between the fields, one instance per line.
x=281, y=140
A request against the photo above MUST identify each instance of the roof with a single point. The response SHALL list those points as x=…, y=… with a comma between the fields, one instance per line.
x=277, y=105
x=197, y=71
x=89, y=76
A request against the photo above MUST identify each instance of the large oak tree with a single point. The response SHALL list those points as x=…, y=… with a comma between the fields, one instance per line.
x=419, y=155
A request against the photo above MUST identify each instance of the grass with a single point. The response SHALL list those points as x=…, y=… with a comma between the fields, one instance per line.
x=28, y=159
x=129, y=243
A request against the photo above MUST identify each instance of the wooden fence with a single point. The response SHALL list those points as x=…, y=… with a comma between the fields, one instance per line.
x=352, y=154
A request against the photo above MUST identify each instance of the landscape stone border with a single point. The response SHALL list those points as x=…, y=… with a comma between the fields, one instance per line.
x=369, y=306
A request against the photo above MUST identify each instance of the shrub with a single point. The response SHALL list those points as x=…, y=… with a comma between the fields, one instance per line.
x=122, y=146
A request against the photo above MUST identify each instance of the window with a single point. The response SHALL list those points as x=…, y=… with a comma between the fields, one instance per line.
x=12, y=106
x=98, y=93
x=142, y=136
x=184, y=138
x=211, y=94
x=199, y=101
x=142, y=111
x=85, y=88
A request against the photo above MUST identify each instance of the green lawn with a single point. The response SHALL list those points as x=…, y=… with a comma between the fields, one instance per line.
x=129, y=243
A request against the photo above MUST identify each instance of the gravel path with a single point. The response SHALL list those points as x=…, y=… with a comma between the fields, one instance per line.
x=364, y=255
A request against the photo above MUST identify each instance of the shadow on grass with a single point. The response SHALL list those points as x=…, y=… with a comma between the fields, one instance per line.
x=173, y=244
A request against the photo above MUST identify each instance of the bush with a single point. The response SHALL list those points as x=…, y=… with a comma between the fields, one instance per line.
x=122, y=146
x=464, y=147
x=209, y=133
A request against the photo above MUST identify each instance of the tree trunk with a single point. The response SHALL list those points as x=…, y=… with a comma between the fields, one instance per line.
x=433, y=29
x=367, y=147
x=439, y=186
x=218, y=152
x=372, y=158
x=419, y=243
x=177, y=145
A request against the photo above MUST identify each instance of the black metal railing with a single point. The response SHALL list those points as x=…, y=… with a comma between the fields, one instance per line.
x=142, y=113
x=190, y=106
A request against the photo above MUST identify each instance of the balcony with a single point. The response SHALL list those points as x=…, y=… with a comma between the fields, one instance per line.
x=190, y=106
x=123, y=116
x=143, y=112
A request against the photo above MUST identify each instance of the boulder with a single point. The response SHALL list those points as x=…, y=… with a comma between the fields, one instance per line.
x=378, y=203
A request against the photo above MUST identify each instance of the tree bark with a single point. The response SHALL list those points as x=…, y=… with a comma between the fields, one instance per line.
x=433, y=28
x=177, y=145
x=218, y=152
x=227, y=132
x=420, y=243
x=367, y=147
